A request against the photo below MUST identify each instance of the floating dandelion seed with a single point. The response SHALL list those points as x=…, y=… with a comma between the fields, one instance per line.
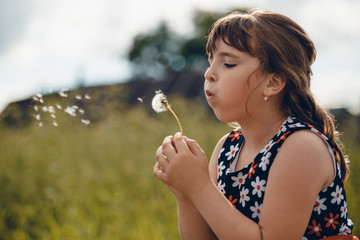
x=85, y=121
x=40, y=108
x=71, y=111
x=78, y=97
x=63, y=92
x=161, y=104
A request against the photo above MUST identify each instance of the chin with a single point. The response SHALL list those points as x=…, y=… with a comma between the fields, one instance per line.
x=223, y=118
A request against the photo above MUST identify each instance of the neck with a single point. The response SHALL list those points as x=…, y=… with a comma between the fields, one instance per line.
x=260, y=130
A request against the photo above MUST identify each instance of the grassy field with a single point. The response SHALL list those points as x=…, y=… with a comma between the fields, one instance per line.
x=77, y=181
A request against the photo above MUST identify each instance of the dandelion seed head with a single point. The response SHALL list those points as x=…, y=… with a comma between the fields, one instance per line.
x=159, y=102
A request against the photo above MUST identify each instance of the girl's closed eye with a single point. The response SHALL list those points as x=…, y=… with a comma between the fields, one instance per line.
x=229, y=65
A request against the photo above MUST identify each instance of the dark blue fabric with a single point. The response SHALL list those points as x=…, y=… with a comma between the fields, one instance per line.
x=245, y=189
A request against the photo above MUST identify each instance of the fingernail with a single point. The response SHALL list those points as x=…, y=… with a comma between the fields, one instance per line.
x=177, y=135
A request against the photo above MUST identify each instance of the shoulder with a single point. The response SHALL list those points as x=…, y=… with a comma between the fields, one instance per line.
x=301, y=169
x=306, y=153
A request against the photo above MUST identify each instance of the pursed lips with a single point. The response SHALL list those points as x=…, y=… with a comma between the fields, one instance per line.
x=209, y=95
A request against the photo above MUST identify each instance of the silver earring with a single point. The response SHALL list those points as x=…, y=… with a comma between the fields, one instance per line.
x=266, y=98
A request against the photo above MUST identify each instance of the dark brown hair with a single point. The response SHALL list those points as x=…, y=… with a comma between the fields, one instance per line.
x=286, y=50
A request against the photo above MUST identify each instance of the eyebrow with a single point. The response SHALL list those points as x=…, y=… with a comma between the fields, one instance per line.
x=226, y=54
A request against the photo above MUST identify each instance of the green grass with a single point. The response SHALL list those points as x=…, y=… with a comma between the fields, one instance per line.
x=96, y=182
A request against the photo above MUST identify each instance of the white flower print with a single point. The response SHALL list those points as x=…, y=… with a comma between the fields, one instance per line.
x=256, y=209
x=220, y=169
x=265, y=161
x=267, y=147
x=258, y=186
x=244, y=196
x=337, y=195
x=221, y=151
x=319, y=205
x=290, y=119
x=221, y=187
x=296, y=125
x=314, y=130
x=281, y=130
x=233, y=149
x=239, y=180
x=343, y=210
x=338, y=170
x=344, y=229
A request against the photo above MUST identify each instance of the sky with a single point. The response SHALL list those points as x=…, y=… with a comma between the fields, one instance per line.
x=49, y=45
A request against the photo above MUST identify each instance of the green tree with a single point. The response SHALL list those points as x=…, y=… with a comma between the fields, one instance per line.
x=162, y=50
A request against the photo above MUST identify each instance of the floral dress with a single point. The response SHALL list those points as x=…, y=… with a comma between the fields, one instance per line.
x=245, y=189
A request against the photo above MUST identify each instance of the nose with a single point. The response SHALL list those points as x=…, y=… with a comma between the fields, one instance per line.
x=209, y=74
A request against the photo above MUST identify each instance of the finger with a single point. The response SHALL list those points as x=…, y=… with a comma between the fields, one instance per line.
x=158, y=173
x=168, y=146
x=159, y=152
x=168, y=139
x=161, y=159
x=193, y=146
x=163, y=162
x=180, y=143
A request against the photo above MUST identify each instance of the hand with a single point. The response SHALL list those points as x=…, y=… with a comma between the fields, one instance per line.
x=182, y=165
x=158, y=169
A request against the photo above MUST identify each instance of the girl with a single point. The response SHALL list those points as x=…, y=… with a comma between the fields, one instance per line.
x=281, y=175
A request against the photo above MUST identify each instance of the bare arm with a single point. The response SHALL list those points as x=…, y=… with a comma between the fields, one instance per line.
x=191, y=224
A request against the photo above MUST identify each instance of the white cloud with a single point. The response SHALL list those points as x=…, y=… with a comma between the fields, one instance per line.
x=52, y=41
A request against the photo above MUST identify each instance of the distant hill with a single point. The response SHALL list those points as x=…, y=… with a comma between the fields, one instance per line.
x=117, y=96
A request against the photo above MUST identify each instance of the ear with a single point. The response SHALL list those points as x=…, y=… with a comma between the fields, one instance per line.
x=274, y=85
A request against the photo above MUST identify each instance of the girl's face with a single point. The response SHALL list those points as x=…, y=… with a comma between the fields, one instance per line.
x=233, y=87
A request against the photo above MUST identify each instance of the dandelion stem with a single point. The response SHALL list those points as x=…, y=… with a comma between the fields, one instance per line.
x=174, y=114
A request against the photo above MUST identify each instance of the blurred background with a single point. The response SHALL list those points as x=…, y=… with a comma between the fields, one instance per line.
x=78, y=134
